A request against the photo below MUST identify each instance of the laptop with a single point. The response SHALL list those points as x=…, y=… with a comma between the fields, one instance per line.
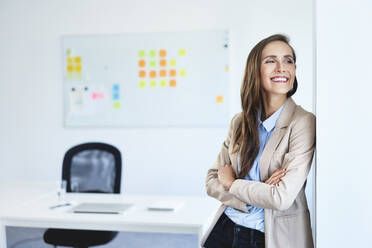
x=101, y=208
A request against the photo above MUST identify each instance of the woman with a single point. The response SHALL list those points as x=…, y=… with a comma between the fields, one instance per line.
x=260, y=173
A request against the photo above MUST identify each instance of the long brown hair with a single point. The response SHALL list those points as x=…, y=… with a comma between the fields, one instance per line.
x=246, y=140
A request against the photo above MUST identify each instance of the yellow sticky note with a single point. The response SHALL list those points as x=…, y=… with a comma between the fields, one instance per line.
x=182, y=72
x=219, y=99
x=163, y=83
x=141, y=53
x=152, y=53
x=227, y=68
x=152, y=63
x=116, y=104
x=78, y=68
x=142, y=84
x=181, y=52
x=172, y=62
x=152, y=83
x=69, y=60
x=77, y=59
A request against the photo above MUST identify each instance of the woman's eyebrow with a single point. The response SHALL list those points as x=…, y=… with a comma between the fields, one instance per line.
x=274, y=56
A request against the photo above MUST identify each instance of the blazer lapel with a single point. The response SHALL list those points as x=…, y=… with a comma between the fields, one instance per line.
x=277, y=135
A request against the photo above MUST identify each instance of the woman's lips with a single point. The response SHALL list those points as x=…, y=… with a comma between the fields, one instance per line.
x=279, y=79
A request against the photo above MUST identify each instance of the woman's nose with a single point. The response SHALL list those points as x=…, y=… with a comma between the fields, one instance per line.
x=280, y=67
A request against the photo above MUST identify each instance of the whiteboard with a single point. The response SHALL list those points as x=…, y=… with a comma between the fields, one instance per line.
x=146, y=79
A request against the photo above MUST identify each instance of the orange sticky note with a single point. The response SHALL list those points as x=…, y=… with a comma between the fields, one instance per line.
x=142, y=74
x=172, y=73
x=172, y=83
x=219, y=99
x=163, y=62
x=152, y=74
x=142, y=63
x=162, y=53
x=70, y=68
x=163, y=73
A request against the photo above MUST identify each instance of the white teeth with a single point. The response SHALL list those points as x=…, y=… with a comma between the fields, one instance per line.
x=279, y=79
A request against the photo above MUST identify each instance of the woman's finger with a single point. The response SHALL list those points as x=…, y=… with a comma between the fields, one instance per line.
x=268, y=181
x=273, y=176
x=273, y=182
x=279, y=171
x=278, y=176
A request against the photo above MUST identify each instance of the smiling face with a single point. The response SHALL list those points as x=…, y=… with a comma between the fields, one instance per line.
x=278, y=70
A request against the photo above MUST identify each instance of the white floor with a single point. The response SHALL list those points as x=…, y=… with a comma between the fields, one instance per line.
x=18, y=237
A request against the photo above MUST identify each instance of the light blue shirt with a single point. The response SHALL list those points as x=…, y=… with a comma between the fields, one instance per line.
x=255, y=218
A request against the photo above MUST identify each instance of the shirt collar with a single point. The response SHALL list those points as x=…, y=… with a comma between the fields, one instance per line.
x=270, y=122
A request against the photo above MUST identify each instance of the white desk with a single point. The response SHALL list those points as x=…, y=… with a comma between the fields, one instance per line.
x=27, y=205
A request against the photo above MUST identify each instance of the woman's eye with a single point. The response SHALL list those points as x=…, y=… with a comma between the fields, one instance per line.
x=269, y=61
x=289, y=61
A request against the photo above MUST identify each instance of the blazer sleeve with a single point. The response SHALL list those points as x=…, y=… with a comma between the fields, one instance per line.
x=297, y=161
x=213, y=186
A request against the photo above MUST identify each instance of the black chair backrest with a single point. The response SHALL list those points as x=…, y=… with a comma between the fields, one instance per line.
x=92, y=168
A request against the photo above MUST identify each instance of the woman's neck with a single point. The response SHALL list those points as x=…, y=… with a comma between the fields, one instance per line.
x=272, y=103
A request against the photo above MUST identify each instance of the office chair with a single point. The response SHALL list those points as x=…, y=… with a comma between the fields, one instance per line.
x=88, y=168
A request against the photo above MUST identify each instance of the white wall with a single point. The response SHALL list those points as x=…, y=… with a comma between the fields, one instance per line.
x=344, y=86
x=156, y=161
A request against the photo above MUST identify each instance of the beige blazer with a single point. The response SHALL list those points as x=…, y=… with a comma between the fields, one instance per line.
x=291, y=146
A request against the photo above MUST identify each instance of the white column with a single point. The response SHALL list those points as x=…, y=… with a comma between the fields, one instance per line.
x=2, y=236
x=344, y=123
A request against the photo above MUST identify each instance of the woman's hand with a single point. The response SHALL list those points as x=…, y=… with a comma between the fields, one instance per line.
x=276, y=176
x=226, y=176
